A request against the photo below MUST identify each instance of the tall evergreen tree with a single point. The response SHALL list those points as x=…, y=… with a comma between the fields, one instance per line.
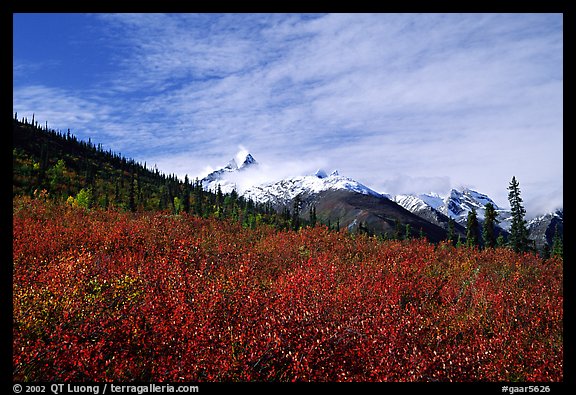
x=472, y=229
x=186, y=194
x=459, y=241
x=557, y=244
x=131, y=197
x=518, y=239
x=296, y=206
x=397, y=229
x=219, y=201
x=489, y=227
x=408, y=232
x=313, y=217
x=198, y=197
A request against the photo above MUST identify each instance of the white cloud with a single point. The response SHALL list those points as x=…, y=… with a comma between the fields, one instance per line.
x=57, y=106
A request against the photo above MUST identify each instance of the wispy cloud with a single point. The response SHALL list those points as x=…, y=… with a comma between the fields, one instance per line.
x=57, y=106
x=404, y=102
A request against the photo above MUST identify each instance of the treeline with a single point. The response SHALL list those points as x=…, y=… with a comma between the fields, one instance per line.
x=59, y=166
x=63, y=166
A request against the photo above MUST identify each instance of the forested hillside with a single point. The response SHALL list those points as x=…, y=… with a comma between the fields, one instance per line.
x=60, y=166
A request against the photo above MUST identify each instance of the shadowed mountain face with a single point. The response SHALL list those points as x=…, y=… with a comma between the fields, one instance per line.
x=543, y=229
x=380, y=215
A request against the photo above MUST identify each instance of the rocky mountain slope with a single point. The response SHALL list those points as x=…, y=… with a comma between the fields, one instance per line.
x=342, y=200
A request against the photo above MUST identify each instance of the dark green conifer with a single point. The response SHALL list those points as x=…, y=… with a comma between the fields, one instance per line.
x=518, y=239
x=489, y=227
x=472, y=238
x=557, y=244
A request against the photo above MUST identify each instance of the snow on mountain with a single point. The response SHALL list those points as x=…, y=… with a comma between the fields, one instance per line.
x=542, y=229
x=558, y=214
x=248, y=161
x=426, y=206
x=412, y=203
x=432, y=199
x=283, y=191
x=224, y=177
x=321, y=174
x=456, y=205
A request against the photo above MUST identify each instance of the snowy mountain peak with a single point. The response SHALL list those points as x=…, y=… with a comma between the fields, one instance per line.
x=283, y=191
x=557, y=214
x=411, y=203
x=432, y=199
x=220, y=177
x=478, y=197
x=232, y=165
x=279, y=192
x=459, y=203
x=321, y=173
x=248, y=161
x=456, y=205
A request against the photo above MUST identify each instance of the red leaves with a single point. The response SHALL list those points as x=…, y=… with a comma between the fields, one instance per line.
x=114, y=296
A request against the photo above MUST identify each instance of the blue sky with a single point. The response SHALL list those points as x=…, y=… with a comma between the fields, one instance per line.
x=404, y=103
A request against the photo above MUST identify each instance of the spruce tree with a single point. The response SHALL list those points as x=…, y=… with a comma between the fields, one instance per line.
x=186, y=194
x=557, y=244
x=459, y=241
x=397, y=229
x=518, y=231
x=131, y=197
x=313, y=217
x=472, y=229
x=296, y=207
x=488, y=229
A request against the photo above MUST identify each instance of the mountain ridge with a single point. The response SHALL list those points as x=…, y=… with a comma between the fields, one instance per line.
x=432, y=207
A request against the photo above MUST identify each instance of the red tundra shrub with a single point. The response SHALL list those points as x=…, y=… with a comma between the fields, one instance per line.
x=107, y=295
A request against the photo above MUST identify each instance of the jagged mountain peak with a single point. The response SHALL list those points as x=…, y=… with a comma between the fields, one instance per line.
x=459, y=203
x=283, y=191
x=321, y=173
x=244, y=161
x=312, y=188
x=248, y=161
x=232, y=165
x=456, y=205
x=474, y=197
x=219, y=177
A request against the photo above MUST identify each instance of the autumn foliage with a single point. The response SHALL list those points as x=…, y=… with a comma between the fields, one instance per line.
x=107, y=295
